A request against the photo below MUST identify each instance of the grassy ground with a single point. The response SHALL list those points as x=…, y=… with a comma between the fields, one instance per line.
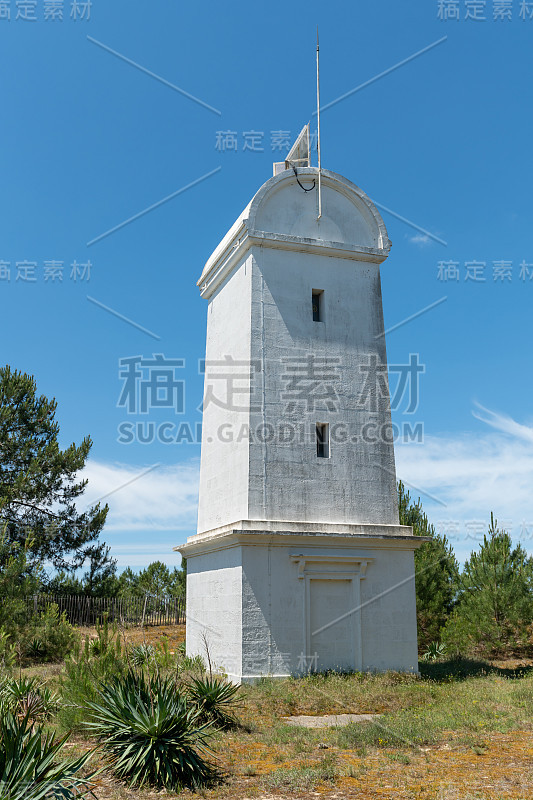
x=459, y=731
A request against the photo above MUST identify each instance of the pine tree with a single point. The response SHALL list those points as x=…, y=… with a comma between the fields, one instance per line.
x=38, y=480
x=436, y=570
x=157, y=579
x=100, y=580
x=495, y=602
x=17, y=580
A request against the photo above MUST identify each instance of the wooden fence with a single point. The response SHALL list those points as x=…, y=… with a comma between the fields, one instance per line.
x=81, y=610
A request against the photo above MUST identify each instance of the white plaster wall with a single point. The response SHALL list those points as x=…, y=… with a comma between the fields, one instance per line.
x=223, y=494
x=388, y=613
x=287, y=481
x=274, y=610
x=214, y=608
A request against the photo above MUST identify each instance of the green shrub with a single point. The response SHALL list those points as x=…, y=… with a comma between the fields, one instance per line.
x=461, y=635
x=91, y=661
x=30, y=768
x=8, y=653
x=48, y=637
x=215, y=699
x=191, y=664
x=164, y=657
x=149, y=734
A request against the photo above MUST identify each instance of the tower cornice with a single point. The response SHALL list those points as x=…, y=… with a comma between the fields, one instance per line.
x=361, y=219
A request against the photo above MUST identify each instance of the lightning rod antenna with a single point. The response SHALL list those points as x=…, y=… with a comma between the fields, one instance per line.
x=318, y=127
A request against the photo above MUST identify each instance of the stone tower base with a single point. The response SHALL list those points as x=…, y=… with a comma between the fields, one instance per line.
x=279, y=599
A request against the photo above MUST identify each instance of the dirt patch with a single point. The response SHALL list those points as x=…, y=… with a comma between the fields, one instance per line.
x=150, y=634
x=328, y=720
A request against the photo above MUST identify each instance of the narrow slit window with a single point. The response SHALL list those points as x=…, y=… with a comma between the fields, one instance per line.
x=317, y=305
x=322, y=440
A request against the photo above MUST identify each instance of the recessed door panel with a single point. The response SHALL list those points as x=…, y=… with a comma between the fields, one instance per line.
x=332, y=624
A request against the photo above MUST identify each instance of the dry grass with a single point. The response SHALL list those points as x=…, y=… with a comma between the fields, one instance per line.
x=463, y=731
x=151, y=634
x=503, y=770
x=449, y=740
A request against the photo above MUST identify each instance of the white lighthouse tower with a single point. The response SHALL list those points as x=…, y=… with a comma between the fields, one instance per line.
x=299, y=562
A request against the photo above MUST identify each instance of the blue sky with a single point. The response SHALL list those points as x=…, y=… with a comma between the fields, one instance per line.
x=88, y=140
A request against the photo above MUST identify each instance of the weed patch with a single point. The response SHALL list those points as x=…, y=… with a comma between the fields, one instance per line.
x=303, y=778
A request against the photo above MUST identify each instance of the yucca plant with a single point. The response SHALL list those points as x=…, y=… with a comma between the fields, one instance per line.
x=35, y=649
x=141, y=654
x=30, y=768
x=435, y=650
x=28, y=697
x=149, y=734
x=216, y=700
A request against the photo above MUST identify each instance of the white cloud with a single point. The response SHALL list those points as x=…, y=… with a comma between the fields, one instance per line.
x=460, y=478
x=474, y=475
x=140, y=555
x=504, y=423
x=164, y=498
x=420, y=239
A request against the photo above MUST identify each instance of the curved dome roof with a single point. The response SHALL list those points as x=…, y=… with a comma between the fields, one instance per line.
x=282, y=214
x=348, y=215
